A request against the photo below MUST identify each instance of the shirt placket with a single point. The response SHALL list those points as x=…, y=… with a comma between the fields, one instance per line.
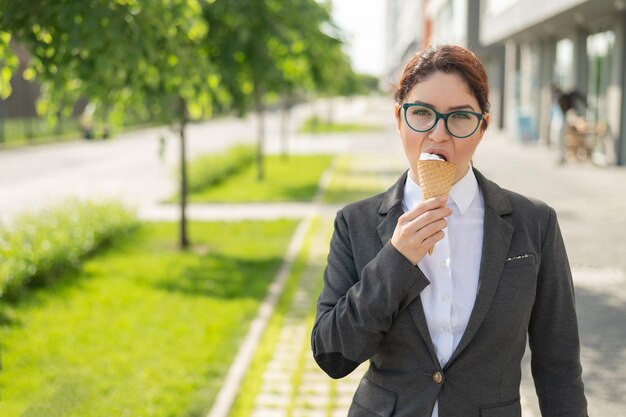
x=444, y=301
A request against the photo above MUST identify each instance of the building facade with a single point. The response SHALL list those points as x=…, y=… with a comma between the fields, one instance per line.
x=530, y=47
x=413, y=25
x=569, y=44
x=406, y=28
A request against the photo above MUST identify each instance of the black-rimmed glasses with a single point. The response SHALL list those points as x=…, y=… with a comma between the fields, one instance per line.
x=459, y=123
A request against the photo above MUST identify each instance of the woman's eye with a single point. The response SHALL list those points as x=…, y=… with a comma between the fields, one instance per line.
x=421, y=112
x=461, y=115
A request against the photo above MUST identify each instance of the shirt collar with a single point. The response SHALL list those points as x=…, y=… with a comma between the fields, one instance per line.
x=462, y=192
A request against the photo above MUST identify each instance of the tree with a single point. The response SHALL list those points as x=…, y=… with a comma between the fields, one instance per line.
x=121, y=55
x=267, y=47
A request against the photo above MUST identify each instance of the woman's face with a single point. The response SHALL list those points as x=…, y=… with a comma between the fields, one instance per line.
x=444, y=92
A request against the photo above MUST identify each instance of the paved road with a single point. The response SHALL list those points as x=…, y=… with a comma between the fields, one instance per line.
x=128, y=167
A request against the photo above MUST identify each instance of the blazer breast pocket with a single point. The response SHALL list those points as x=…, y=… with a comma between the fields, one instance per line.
x=517, y=286
x=371, y=400
x=517, y=261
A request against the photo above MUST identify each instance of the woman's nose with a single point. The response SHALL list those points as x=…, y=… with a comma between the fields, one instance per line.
x=439, y=132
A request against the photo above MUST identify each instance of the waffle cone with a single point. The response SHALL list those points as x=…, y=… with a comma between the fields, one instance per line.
x=435, y=179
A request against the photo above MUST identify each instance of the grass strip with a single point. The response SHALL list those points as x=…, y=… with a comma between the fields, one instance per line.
x=143, y=329
x=208, y=170
x=295, y=178
x=317, y=125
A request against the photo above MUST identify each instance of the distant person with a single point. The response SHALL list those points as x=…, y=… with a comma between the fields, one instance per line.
x=445, y=333
x=570, y=103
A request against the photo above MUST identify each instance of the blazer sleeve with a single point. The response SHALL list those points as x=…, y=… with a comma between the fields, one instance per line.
x=553, y=332
x=356, y=308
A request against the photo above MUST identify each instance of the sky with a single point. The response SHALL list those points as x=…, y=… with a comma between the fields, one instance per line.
x=363, y=21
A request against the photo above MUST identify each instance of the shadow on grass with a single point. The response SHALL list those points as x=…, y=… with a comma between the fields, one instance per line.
x=220, y=276
x=349, y=195
x=373, y=172
x=277, y=193
x=301, y=193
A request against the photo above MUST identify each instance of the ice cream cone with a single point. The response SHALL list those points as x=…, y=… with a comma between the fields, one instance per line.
x=435, y=179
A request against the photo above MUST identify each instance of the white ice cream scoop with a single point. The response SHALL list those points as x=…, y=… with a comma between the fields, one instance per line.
x=425, y=156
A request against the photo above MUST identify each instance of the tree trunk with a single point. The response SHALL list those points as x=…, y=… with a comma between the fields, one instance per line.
x=260, y=114
x=284, y=127
x=330, y=113
x=184, y=240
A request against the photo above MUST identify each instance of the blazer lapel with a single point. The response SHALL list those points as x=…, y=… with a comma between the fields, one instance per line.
x=391, y=210
x=496, y=242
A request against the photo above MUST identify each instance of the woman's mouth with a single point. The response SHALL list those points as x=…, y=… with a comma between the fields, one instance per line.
x=440, y=153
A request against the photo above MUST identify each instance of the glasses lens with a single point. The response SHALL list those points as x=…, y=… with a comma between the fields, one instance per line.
x=462, y=124
x=420, y=118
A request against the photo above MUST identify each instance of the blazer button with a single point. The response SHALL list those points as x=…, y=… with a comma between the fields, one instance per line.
x=437, y=377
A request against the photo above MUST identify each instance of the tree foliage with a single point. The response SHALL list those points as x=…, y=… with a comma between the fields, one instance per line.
x=271, y=48
x=8, y=64
x=117, y=53
x=177, y=58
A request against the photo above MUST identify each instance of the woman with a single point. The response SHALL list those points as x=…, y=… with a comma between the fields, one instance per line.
x=445, y=333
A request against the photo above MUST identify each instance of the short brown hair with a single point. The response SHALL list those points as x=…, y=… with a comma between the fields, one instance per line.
x=448, y=59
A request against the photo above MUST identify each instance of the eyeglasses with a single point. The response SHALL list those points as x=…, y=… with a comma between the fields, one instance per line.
x=459, y=123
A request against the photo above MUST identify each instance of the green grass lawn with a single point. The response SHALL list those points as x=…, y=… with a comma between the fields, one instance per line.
x=294, y=178
x=316, y=125
x=143, y=329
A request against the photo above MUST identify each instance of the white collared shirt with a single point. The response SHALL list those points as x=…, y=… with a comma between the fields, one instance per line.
x=453, y=267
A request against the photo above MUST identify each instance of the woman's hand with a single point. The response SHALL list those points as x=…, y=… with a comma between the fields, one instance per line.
x=420, y=228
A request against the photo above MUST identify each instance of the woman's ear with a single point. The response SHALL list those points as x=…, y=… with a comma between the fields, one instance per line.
x=486, y=121
x=397, y=112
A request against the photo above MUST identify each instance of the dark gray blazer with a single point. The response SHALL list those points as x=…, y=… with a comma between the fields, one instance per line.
x=370, y=309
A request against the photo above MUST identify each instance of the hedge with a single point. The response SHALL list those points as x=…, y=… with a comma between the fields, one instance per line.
x=36, y=248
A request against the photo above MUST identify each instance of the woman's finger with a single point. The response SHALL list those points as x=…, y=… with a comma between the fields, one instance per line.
x=422, y=207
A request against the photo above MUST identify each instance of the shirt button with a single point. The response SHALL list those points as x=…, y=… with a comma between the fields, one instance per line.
x=443, y=265
x=437, y=377
x=446, y=329
x=445, y=297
